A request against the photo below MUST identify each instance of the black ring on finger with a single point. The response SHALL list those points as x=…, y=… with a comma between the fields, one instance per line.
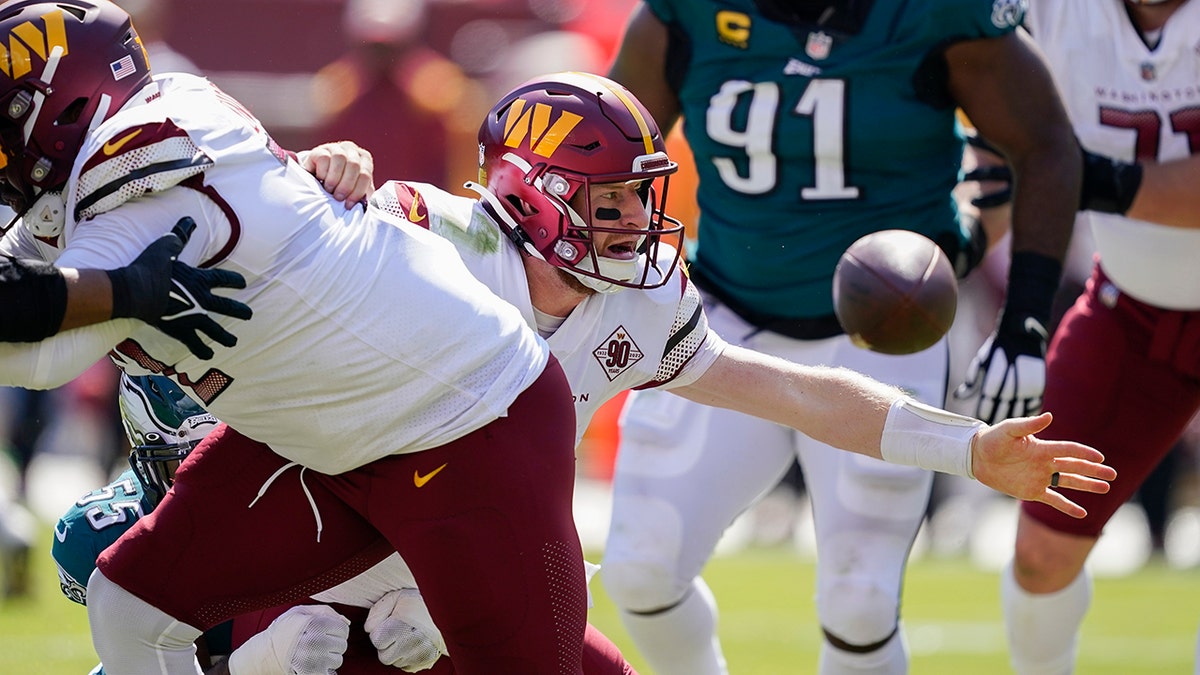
x=1054, y=479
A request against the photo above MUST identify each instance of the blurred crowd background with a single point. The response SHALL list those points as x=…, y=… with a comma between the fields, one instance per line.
x=411, y=80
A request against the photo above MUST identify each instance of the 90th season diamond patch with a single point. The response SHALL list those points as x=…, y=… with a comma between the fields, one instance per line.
x=617, y=353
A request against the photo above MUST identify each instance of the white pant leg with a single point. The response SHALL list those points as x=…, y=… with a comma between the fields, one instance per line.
x=118, y=617
x=684, y=472
x=867, y=513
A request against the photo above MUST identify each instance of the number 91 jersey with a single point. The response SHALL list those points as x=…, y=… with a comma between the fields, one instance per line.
x=808, y=138
x=93, y=523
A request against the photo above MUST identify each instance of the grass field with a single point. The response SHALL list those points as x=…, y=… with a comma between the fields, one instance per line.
x=1142, y=624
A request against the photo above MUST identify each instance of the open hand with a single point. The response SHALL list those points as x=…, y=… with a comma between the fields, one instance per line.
x=1008, y=458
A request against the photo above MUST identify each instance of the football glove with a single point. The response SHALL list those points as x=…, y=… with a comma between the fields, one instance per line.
x=1008, y=374
x=174, y=297
x=990, y=173
x=403, y=632
x=305, y=640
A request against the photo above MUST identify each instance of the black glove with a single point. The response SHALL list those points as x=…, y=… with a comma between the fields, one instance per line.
x=1109, y=185
x=1008, y=373
x=999, y=173
x=965, y=257
x=174, y=297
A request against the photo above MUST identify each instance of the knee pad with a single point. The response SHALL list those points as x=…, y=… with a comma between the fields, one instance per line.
x=643, y=585
x=860, y=612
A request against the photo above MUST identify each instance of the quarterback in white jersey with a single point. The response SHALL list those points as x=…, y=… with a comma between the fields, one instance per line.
x=373, y=358
x=1123, y=368
x=610, y=342
x=565, y=161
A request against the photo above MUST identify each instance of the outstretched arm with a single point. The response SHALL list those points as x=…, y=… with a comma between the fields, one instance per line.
x=851, y=411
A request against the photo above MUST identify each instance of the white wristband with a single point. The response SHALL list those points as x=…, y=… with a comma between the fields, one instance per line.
x=916, y=434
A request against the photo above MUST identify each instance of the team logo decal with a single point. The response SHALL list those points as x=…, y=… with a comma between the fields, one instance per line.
x=733, y=28
x=534, y=123
x=818, y=45
x=412, y=204
x=15, y=57
x=1008, y=13
x=617, y=353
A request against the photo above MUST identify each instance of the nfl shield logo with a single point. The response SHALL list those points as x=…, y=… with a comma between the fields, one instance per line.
x=818, y=45
x=1148, y=72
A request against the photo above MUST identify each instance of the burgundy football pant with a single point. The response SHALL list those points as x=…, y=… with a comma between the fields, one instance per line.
x=1123, y=377
x=490, y=536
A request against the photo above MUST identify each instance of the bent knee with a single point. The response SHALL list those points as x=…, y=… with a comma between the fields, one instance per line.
x=1042, y=566
x=858, y=612
x=642, y=586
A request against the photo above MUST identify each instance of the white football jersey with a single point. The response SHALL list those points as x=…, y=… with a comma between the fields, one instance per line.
x=369, y=335
x=611, y=342
x=1130, y=101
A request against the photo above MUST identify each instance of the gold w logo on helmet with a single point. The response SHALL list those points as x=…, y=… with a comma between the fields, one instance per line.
x=534, y=124
x=15, y=57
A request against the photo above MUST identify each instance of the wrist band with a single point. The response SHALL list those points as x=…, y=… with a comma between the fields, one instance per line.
x=1109, y=185
x=919, y=435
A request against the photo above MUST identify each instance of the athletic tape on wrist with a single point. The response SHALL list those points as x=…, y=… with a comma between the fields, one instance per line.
x=919, y=435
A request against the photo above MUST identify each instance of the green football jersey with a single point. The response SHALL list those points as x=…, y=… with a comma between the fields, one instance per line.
x=806, y=139
x=91, y=525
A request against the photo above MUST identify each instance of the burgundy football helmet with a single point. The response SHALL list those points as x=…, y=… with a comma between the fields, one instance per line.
x=69, y=65
x=556, y=135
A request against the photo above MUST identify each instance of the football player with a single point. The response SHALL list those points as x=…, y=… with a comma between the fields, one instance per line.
x=813, y=123
x=381, y=622
x=379, y=400
x=569, y=228
x=1124, y=365
x=163, y=425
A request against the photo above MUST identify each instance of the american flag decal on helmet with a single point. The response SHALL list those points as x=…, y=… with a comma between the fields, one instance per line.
x=123, y=67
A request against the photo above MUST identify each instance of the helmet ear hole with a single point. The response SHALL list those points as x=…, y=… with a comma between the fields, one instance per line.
x=72, y=112
x=524, y=208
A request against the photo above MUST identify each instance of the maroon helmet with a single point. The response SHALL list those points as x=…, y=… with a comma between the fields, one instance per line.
x=555, y=135
x=66, y=66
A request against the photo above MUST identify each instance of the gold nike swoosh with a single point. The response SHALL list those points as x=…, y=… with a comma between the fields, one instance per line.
x=413, y=215
x=113, y=146
x=420, y=480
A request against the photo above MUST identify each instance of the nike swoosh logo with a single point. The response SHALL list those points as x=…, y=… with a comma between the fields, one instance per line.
x=420, y=480
x=1032, y=325
x=415, y=217
x=60, y=535
x=113, y=146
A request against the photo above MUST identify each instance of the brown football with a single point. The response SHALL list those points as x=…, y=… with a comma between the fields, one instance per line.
x=895, y=292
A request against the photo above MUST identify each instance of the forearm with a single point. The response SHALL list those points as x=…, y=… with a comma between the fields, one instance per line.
x=1168, y=194
x=89, y=298
x=57, y=360
x=1046, y=197
x=836, y=406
